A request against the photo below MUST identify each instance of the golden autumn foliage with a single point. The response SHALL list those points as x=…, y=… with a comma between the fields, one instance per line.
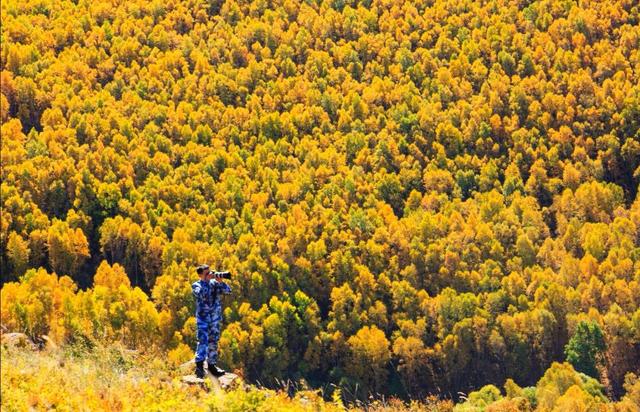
x=414, y=197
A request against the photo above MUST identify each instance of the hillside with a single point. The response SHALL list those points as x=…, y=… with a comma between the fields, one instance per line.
x=114, y=378
x=414, y=197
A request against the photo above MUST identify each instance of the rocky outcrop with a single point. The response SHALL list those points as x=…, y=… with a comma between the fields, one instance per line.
x=21, y=340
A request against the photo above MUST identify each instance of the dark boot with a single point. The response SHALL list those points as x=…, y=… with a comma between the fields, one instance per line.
x=215, y=370
x=200, y=369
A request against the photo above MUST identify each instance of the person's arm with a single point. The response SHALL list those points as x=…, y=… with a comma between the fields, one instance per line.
x=196, y=288
x=220, y=286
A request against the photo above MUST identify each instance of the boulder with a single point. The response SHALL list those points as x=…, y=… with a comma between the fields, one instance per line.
x=17, y=339
x=228, y=380
x=47, y=343
x=192, y=380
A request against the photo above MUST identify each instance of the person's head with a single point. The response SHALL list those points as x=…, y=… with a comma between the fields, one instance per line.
x=203, y=272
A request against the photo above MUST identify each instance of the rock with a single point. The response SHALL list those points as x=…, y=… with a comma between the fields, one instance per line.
x=17, y=339
x=192, y=380
x=224, y=382
x=228, y=380
x=47, y=343
x=21, y=340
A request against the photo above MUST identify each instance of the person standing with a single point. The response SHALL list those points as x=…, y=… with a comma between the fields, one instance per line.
x=207, y=292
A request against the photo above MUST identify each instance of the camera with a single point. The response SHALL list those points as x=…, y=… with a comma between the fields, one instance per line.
x=224, y=275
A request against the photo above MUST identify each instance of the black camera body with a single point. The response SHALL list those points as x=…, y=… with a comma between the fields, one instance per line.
x=224, y=275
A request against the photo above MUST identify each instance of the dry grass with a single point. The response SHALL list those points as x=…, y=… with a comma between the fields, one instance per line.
x=115, y=379
x=100, y=379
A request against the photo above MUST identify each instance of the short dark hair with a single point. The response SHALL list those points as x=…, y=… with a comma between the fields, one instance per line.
x=201, y=268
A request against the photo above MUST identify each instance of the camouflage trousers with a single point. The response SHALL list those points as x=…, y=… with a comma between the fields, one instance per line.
x=208, y=335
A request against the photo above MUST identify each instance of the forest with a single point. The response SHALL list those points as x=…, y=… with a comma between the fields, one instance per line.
x=415, y=198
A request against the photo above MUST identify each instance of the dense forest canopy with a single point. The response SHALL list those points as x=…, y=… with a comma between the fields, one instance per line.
x=413, y=196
